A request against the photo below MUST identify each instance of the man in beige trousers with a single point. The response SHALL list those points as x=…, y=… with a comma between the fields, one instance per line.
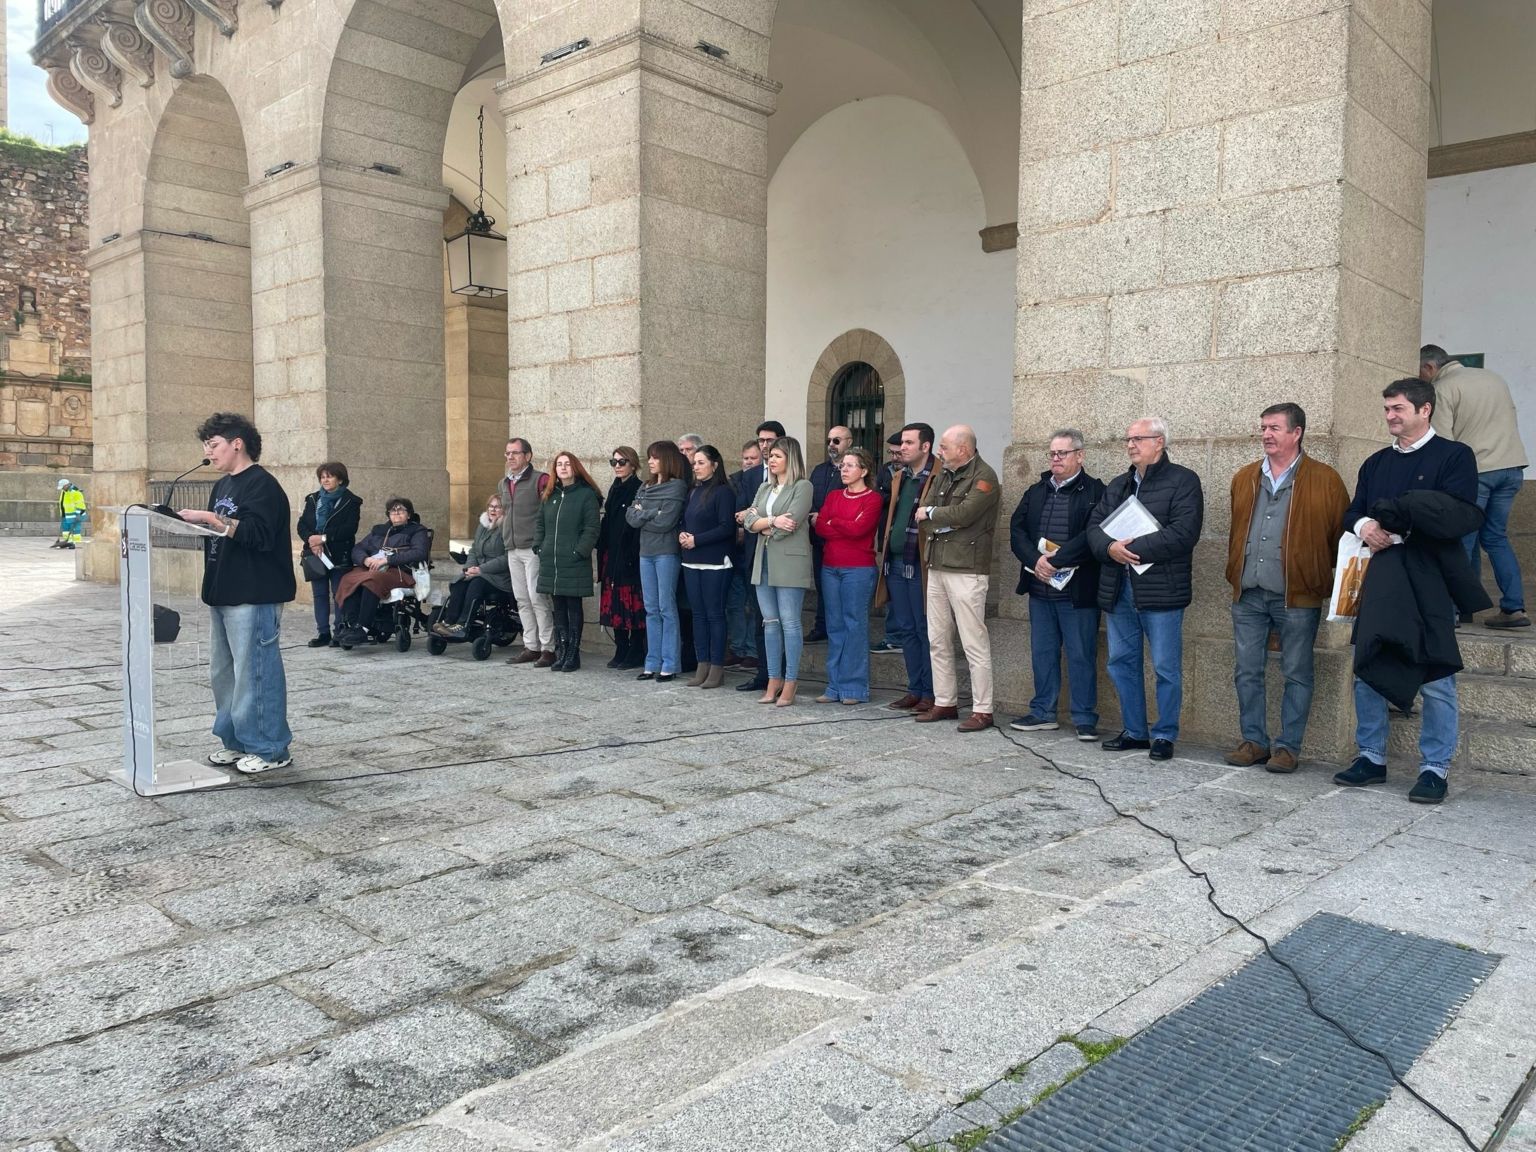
x=957, y=526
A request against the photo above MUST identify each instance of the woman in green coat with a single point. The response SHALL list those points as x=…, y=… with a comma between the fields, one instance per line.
x=563, y=538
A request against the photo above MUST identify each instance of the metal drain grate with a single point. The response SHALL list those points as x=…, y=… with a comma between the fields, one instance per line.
x=1245, y=1067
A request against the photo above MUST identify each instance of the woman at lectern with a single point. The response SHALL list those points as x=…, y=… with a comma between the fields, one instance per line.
x=382, y=561
x=327, y=533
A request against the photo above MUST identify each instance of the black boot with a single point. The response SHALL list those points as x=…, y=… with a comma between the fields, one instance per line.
x=573, y=626
x=637, y=645
x=559, y=663
x=620, y=647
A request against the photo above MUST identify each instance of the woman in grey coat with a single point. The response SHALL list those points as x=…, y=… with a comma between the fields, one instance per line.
x=485, y=575
x=655, y=511
x=781, y=568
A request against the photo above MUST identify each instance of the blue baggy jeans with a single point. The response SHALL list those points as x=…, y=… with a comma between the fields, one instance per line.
x=250, y=692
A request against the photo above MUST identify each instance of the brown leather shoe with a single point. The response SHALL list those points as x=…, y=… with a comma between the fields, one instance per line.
x=1246, y=755
x=936, y=713
x=905, y=704
x=1281, y=760
x=527, y=656
x=545, y=659
x=975, y=722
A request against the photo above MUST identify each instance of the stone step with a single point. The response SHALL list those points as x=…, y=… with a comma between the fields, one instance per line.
x=1503, y=748
x=1511, y=652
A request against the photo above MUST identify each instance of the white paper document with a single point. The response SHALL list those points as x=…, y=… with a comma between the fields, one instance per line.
x=1063, y=577
x=1129, y=521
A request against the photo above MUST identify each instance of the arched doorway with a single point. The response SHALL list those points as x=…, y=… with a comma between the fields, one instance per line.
x=849, y=367
x=856, y=401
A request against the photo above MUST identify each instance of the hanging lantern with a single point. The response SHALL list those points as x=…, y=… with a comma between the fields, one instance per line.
x=477, y=256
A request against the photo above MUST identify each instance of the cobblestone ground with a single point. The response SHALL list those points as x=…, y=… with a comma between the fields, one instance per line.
x=473, y=918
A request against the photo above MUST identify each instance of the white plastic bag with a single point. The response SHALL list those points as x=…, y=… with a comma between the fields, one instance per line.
x=1348, y=577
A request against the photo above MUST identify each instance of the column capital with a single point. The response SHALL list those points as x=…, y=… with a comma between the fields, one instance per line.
x=364, y=186
x=639, y=50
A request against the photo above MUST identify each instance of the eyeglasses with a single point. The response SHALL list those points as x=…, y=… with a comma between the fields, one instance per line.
x=493, y=507
x=1055, y=455
x=834, y=440
x=1139, y=439
x=618, y=462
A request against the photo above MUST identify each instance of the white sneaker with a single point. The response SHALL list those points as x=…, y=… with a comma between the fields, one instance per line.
x=253, y=764
x=224, y=757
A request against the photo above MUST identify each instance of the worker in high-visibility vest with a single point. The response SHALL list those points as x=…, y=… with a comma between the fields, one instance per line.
x=71, y=515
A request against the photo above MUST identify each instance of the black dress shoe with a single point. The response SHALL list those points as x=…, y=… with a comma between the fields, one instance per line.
x=665, y=677
x=646, y=676
x=1430, y=789
x=1161, y=750
x=1362, y=772
x=321, y=641
x=753, y=686
x=1124, y=742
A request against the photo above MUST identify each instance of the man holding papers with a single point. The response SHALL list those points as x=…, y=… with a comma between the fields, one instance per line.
x=1144, y=532
x=1049, y=534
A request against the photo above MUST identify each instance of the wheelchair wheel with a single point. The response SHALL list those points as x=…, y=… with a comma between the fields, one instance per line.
x=436, y=645
x=403, y=638
x=482, y=646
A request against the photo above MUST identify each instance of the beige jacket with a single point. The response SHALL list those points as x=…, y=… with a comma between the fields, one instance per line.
x=1473, y=405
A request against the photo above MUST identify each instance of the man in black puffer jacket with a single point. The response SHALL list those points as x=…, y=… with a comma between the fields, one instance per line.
x=1149, y=604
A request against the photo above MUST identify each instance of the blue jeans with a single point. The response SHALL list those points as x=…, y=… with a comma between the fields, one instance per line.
x=906, y=616
x=250, y=693
x=1254, y=613
x=848, y=592
x=783, y=632
x=1496, y=492
x=324, y=592
x=706, y=595
x=1437, y=725
x=1052, y=625
x=1164, y=634
x=663, y=638
x=740, y=621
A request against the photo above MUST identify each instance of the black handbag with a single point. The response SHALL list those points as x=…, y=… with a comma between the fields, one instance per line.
x=314, y=568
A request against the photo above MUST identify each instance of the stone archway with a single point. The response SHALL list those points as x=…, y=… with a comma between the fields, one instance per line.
x=854, y=345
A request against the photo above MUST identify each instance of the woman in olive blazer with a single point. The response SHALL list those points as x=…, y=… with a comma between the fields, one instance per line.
x=781, y=568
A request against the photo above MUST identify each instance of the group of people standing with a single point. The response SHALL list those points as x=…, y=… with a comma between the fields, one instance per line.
x=916, y=535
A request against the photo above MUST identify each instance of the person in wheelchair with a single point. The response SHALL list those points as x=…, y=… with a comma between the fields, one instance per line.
x=383, y=561
x=486, y=577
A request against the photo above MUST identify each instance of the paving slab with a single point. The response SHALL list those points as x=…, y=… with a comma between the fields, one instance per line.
x=1042, y=814
x=1083, y=865
x=821, y=1099
x=45, y=1089
x=651, y=836
x=635, y=976
x=342, y=1091
x=582, y=1096
x=699, y=875
x=83, y=940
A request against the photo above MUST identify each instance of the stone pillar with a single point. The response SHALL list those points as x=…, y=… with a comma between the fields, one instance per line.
x=1220, y=208
x=346, y=271
x=475, y=344
x=637, y=193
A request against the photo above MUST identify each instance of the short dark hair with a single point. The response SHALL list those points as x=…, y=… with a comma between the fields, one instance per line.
x=752, y=444
x=1295, y=416
x=522, y=445
x=771, y=426
x=924, y=432
x=1417, y=392
x=1434, y=354
x=333, y=468
x=401, y=502
x=232, y=426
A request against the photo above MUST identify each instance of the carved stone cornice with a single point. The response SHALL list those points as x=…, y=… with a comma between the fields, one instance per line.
x=222, y=12
x=167, y=24
x=67, y=92
x=92, y=68
x=128, y=48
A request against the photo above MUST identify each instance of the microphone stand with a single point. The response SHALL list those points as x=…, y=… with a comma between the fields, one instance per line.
x=166, y=509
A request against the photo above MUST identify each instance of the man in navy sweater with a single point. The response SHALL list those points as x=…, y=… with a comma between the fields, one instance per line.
x=1416, y=458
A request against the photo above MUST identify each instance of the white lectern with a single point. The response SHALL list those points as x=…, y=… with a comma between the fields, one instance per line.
x=141, y=771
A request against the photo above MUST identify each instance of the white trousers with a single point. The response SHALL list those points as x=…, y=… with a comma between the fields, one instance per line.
x=959, y=600
x=534, y=610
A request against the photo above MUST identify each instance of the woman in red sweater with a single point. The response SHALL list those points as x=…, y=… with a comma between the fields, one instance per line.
x=847, y=523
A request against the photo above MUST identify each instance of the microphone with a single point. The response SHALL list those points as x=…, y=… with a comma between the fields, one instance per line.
x=166, y=509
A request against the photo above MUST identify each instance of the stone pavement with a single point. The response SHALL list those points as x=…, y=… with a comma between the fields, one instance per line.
x=816, y=928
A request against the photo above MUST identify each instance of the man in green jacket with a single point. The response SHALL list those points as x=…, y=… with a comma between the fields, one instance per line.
x=957, y=527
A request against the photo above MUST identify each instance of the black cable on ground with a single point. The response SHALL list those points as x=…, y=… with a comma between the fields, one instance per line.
x=1210, y=896
x=614, y=744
